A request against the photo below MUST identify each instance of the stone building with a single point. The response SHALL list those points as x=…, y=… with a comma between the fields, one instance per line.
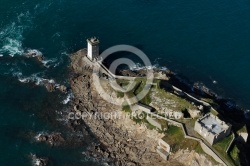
x=211, y=128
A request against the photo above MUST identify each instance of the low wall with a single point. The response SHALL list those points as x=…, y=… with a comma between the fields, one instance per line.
x=229, y=146
x=113, y=75
x=154, y=122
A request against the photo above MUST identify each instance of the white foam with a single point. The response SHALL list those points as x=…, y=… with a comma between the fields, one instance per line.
x=50, y=62
x=37, y=162
x=11, y=36
x=33, y=53
x=39, y=135
x=23, y=80
x=37, y=80
x=17, y=74
x=11, y=40
x=68, y=99
x=33, y=78
x=139, y=66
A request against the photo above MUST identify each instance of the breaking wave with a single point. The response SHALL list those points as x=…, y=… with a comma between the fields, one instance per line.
x=139, y=66
x=11, y=37
x=32, y=53
x=34, y=78
x=68, y=99
x=50, y=62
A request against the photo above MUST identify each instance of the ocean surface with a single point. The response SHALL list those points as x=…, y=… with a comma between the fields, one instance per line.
x=206, y=41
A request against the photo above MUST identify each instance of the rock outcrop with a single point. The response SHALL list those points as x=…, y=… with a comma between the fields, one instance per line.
x=39, y=161
x=120, y=141
x=34, y=54
x=53, y=139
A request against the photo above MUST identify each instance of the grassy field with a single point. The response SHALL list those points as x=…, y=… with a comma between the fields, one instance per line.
x=122, y=82
x=222, y=146
x=175, y=138
x=142, y=83
x=126, y=108
x=120, y=94
x=235, y=155
x=243, y=129
x=172, y=101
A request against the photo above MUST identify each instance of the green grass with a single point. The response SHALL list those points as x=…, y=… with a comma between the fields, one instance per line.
x=163, y=122
x=120, y=94
x=243, y=129
x=142, y=83
x=122, y=82
x=222, y=146
x=180, y=103
x=234, y=154
x=126, y=108
x=175, y=138
x=215, y=113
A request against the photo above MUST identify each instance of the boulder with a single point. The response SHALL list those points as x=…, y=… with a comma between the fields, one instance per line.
x=63, y=88
x=49, y=86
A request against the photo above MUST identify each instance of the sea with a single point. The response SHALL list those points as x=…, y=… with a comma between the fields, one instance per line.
x=205, y=41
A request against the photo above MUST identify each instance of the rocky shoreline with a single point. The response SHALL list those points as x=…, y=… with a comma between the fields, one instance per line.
x=118, y=141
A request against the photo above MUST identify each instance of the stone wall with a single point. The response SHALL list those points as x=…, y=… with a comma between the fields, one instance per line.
x=154, y=122
x=164, y=145
x=205, y=147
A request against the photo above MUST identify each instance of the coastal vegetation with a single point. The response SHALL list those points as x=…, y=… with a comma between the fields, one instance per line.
x=126, y=108
x=234, y=154
x=170, y=100
x=174, y=136
x=222, y=146
x=243, y=129
x=163, y=100
x=139, y=89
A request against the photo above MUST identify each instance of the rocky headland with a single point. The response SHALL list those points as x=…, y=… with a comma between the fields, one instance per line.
x=119, y=141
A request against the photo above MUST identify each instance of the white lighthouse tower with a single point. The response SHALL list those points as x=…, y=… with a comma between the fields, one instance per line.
x=93, y=48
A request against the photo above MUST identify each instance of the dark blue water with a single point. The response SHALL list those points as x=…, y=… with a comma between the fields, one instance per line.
x=203, y=40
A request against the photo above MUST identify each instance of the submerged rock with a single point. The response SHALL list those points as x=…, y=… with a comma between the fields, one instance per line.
x=53, y=139
x=39, y=161
x=50, y=86
x=34, y=54
x=63, y=88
